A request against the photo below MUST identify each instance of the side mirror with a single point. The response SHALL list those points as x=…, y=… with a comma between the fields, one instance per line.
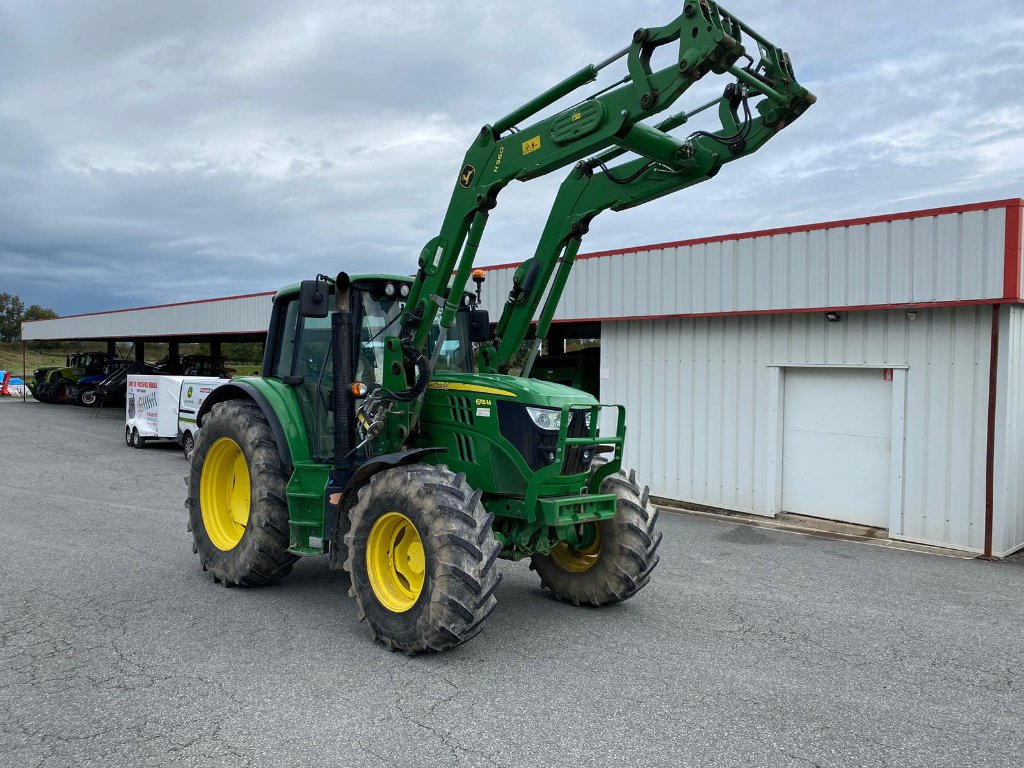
x=479, y=325
x=314, y=299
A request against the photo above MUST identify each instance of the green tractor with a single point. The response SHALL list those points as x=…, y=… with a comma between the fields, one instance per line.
x=387, y=431
x=54, y=385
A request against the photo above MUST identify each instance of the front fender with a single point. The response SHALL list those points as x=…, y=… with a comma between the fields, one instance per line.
x=359, y=477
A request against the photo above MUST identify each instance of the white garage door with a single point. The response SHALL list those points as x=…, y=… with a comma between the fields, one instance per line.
x=837, y=442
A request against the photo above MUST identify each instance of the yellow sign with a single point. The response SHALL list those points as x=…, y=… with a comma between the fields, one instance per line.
x=577, y=116
x=532, y=145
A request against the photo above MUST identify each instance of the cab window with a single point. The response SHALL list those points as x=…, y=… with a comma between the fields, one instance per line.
x=314, y=362
x=285, y=347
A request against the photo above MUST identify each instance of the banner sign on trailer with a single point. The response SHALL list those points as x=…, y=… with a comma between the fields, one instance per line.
x=143, y=404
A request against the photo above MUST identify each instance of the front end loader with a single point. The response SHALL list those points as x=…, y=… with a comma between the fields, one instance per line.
x=393, y=430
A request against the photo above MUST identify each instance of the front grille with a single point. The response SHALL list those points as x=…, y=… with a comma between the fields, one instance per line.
x=575, y=462
x=537, y=446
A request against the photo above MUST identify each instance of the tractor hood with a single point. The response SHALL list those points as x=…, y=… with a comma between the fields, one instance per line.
x=493, y=385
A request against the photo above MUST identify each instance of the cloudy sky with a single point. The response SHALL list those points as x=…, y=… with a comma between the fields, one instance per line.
x=154, y=152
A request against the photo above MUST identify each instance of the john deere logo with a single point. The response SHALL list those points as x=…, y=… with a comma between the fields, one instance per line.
x=467, y=175
x=189, y=393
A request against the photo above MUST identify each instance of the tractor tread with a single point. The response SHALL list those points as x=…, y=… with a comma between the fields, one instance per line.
x=461, y=552
x=262, y=556
x=629, y=553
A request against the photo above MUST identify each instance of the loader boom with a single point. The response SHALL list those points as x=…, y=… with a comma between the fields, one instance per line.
x=593, y=187
x=603, y=127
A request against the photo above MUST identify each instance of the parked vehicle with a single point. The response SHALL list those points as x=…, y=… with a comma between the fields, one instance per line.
x=153, y=408
x=387, y=431
x=53, y=385
x=84, y=391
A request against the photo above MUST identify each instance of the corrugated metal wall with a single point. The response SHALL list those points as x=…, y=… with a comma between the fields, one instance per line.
x=1008, y=515
x=699, y=396
x=948, y=257
x=242, y=314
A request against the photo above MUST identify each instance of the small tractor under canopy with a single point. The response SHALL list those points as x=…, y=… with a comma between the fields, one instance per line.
x=395, y=432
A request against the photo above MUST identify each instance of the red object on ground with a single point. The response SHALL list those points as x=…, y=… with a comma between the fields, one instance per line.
x=5, y=385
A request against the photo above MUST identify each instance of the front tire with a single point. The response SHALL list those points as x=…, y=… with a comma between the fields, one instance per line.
x=422, y=558
x=617, y=557
x=236, y=498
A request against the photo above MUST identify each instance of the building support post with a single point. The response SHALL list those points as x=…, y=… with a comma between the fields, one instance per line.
x=990, y=446
x=173, y=355
x=140, y=350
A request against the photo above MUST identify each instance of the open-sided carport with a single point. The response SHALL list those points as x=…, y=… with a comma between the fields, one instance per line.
x=232, y=319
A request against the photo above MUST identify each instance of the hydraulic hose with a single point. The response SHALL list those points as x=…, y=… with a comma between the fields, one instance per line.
x=422, y=366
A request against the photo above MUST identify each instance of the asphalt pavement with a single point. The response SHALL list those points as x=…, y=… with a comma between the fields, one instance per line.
x=750, y=647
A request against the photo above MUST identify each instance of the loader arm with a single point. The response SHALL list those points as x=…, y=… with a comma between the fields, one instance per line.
x=593, y=187
x=608, y=124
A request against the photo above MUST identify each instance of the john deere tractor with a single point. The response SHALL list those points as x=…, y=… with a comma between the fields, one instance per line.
x=387, y=430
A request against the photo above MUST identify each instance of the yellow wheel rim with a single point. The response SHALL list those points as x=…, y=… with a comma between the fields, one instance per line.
x=395, y=562
x=578, y=560
x=224, y=493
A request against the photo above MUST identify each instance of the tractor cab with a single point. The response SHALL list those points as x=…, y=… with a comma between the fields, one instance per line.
x=299, y=351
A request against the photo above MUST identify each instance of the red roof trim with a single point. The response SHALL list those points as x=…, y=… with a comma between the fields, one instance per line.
x=1014, y=248
x=1010, y=204
x=800, y=311
x=159, y=338
x=156, y=306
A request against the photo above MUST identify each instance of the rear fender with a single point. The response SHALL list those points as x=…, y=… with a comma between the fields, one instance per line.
x=244, y=390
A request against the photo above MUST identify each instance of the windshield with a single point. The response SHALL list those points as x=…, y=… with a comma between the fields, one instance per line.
x=381, y=318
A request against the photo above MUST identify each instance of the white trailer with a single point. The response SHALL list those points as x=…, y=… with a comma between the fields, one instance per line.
x=165, y=408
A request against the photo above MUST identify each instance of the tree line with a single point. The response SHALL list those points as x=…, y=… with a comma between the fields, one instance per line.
x=13, y=313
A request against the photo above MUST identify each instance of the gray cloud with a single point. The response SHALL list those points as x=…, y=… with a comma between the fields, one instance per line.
x=157, y=152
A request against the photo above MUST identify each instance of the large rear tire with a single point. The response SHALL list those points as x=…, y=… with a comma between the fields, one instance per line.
x=422, y=558
x=236, y=498
x=618, y=555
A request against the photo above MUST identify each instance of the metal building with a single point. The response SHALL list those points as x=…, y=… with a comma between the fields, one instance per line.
x=211, y=321
x=247, y=315
x=868, y=371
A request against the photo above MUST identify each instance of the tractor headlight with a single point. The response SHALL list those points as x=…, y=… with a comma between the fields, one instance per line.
x=403, y=290
x=548, y=419
x=389, y=290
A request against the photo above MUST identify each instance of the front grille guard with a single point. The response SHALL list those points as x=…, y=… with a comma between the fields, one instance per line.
x=570, y=447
